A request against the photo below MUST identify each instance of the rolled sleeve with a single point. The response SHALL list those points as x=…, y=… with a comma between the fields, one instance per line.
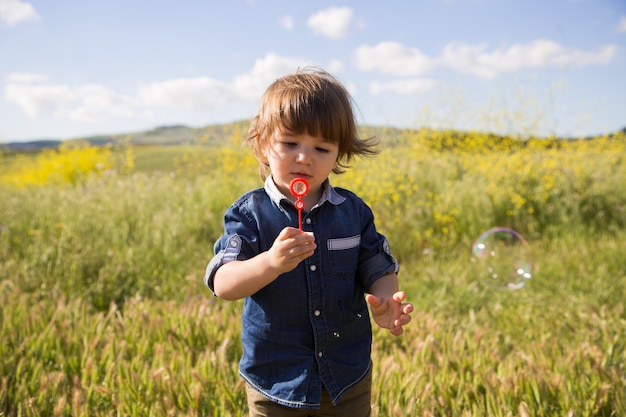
x=379, y=265
x=227, y=250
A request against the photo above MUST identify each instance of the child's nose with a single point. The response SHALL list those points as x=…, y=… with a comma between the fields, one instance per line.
x=304, y=156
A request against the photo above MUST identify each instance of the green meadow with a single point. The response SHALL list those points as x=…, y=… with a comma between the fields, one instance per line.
x=103, y=311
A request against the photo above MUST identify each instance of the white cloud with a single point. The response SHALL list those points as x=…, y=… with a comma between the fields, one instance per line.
x=13, y=12
x=621, y=26
x=335, y=66
x=393, y=58
x=85, y=103
x=287, y=22
x=334, y=22
x=251, y=85
x=207, y=93
x=403, y=87
x=38, y=99
x=95, y=102
x=475, y=59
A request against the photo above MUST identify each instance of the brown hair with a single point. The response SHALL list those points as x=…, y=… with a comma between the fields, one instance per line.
x=309, y=101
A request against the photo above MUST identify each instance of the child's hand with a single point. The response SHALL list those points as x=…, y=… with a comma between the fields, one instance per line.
x=291, y=247
x=390, y=312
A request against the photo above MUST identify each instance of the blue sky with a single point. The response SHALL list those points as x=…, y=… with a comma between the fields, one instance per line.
x=72, y=68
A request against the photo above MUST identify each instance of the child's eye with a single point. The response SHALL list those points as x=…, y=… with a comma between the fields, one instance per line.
x=322, y=150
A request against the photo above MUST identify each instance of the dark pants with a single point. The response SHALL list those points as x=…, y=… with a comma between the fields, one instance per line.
x=355, y=403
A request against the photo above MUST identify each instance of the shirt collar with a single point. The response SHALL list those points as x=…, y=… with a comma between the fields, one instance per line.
x=330, y=194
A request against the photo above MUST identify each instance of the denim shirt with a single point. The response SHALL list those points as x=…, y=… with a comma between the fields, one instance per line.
x=310, y=327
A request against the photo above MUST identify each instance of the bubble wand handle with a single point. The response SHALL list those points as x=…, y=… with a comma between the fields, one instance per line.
x=299, y=204
x=299, y=187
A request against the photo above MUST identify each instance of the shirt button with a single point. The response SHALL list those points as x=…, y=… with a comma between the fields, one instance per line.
x=313, y=268
x=319, y=354
x=317, y=312
x=308, y=221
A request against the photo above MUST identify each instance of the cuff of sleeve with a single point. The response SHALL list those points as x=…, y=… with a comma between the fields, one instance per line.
x=228, y=254
x=380, y=265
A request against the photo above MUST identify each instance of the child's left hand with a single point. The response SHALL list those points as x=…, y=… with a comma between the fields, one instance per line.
x=390, y=312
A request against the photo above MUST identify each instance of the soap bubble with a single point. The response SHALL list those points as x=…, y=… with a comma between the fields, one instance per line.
x=501, y=259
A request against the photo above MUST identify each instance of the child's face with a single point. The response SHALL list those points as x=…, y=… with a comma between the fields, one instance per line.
x=300, y=156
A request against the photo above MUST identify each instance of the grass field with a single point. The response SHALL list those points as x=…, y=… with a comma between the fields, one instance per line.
x=103, y=311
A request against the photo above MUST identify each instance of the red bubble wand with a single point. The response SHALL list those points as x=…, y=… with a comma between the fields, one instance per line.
x=299, y=188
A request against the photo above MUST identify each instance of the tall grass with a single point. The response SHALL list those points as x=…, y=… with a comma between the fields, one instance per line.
x=103, y=311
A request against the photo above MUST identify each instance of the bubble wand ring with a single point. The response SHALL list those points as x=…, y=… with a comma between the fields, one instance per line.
x=299, y=187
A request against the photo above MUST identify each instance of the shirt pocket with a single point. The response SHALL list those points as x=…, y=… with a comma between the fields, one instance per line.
x=343, y=255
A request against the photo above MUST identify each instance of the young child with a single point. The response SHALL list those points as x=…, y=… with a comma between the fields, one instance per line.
x=306, y=328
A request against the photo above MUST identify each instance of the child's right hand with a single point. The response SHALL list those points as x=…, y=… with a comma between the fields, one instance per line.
x=291, y=247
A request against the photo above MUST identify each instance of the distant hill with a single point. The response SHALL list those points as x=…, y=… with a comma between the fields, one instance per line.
x=162, y=135
x=33, y=145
